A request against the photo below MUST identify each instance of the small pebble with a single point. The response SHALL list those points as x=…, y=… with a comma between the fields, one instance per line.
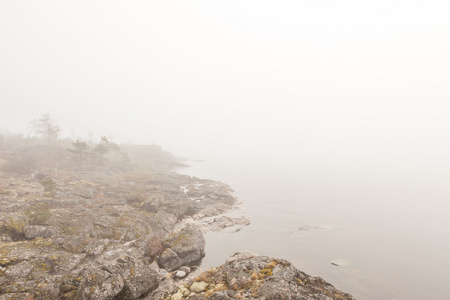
x=180, y=274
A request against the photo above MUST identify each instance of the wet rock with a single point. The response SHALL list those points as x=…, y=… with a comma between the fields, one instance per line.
x=241, y=255
x=223, y=222
x=307, y=229
x=340, y=262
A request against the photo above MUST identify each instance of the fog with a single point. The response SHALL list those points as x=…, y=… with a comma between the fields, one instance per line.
x=214, y=78
x=335, y=105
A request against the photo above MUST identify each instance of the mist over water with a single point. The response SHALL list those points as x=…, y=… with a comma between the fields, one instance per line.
x=328, y=115
x=384, y=218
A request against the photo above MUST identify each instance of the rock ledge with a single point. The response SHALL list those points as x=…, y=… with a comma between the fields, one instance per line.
x=248, y=276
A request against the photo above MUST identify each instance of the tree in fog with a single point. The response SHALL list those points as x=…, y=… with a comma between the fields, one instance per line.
x=104, y=147
x=2, y=139
x=81, y=150
x=47, y=128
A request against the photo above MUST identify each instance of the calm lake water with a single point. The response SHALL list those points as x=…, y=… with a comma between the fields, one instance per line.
x=386, y=224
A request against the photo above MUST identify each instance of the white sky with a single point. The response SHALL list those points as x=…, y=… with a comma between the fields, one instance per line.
x=198, y=77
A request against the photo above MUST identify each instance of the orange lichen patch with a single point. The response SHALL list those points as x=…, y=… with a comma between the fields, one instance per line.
x=271, y=265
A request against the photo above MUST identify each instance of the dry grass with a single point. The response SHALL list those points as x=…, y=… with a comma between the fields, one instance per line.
x=203, y=277
x=155, y=246
x=255, y=275
x=271, y=265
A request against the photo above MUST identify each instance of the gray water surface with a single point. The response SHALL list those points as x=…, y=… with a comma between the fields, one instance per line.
x=386, y=226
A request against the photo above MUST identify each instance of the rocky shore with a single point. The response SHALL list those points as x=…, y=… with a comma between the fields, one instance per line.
x=130, y=236
x=246, y=275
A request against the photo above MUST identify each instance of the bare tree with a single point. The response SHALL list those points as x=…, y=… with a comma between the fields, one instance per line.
x=46, y=127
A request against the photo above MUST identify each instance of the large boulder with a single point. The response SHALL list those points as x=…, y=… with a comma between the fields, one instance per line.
x=189, y=244
x=169, y=260
x=139, y=278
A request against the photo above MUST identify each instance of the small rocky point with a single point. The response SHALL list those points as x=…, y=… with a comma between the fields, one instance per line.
x=248, y=276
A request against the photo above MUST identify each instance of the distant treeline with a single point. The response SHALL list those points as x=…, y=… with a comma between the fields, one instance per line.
x=45, y=151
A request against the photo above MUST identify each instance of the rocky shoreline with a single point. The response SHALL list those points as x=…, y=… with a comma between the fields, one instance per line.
x=129, y=236
x=246, y=275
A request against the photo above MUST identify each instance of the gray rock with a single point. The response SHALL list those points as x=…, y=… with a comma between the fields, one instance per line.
x=96, y=247
x=189, y=244
x=100, y=284
x=105, y=221
x=16, y=296
x=223, y=222
x=185, y=269
x=139, y=279
x=164, y=220
x=21, y=270
x=340, y=262
x=36, y=231
x=86, y=193
x=222, y=295
x=163, y=272
x=169, y=260
x=241, y=255
x=180, y=274
x=261, y=277
x=67, y=262
x=163, y=290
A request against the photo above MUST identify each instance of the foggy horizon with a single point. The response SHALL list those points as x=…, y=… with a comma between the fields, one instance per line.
x=329, y=121
x=203, y=77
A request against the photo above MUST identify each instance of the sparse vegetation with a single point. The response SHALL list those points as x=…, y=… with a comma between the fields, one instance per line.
x=49, y=187
x=15, y=225
x=80, y=150
x=155, y=245
x=38, y=214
